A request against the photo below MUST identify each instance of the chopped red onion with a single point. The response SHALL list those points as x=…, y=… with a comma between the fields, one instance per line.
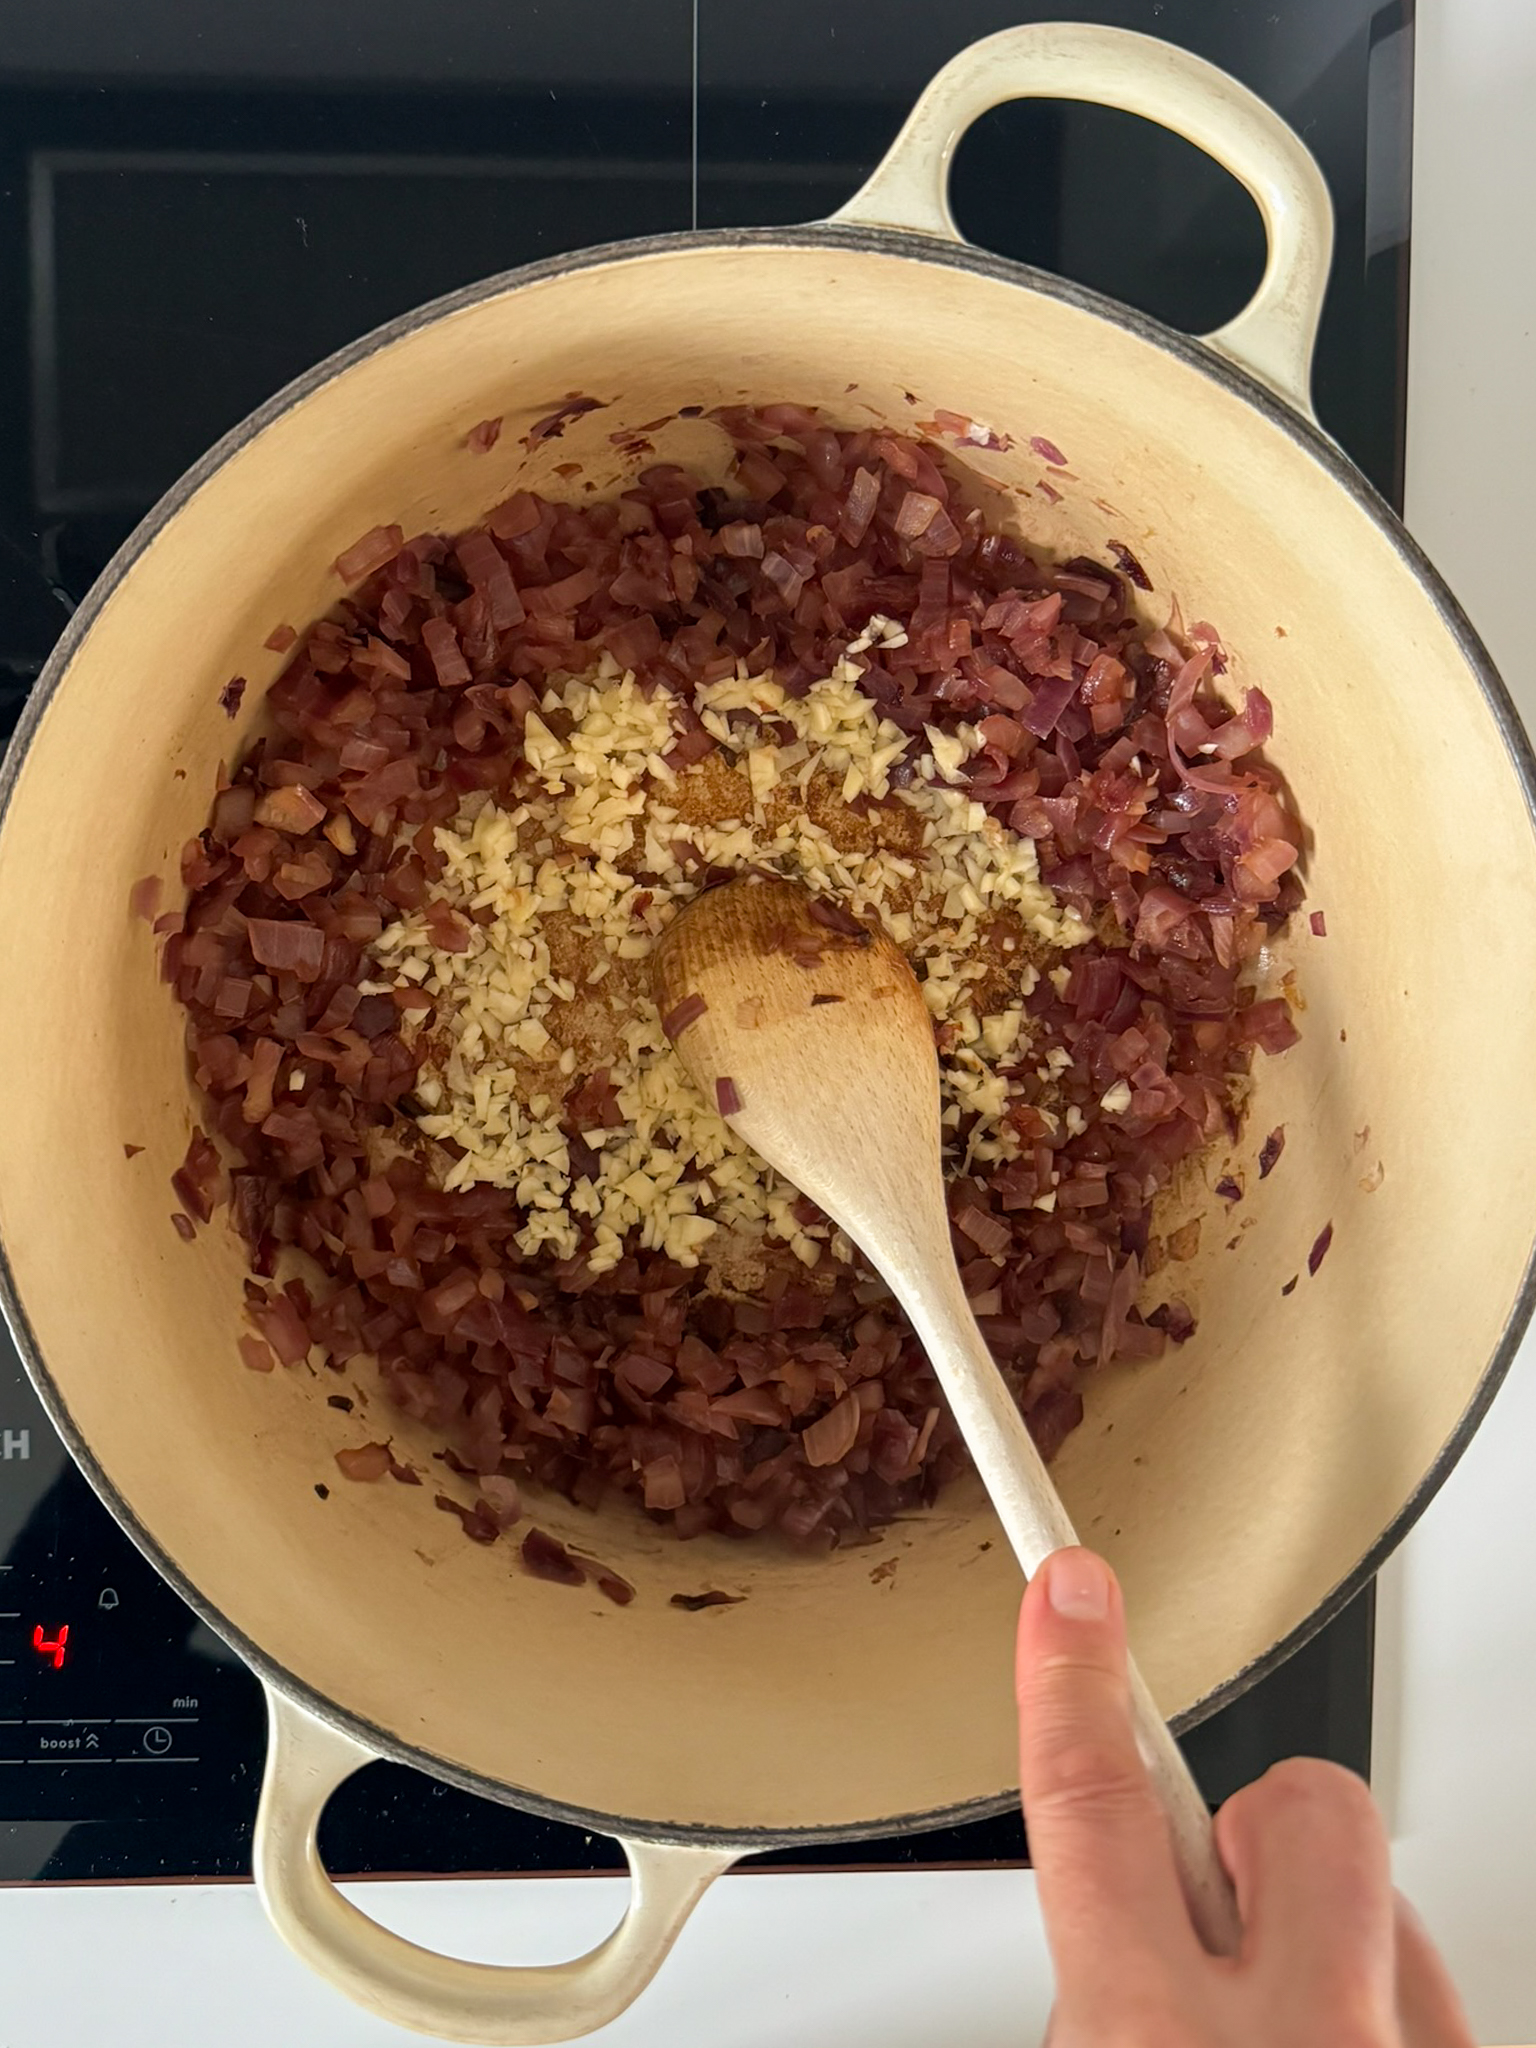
x=144, y=897
x=787, y=580
x=486, y=567
x=833, y=916
x=990, y=1235
x=377, y=546
x=1051, y=697
x=806, y=1409
x=743, y=540
x=367, y=1461
x=829, y=1440
x=291, y=947
x=477, y=1522
x=554, y=423
x=442, y=644
x=1175, y=1320
x=611, y=1586
x=687, y=1012
x=291, y=808
x=1129, y=564
x=196, y=1180
x=859, y=507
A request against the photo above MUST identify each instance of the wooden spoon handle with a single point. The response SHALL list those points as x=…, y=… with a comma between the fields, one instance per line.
x=1036, y=1523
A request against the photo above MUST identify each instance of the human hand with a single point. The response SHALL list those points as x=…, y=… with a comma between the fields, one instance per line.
x=1330, y=1957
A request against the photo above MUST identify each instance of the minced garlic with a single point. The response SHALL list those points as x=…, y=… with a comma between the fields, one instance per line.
x=566, y=891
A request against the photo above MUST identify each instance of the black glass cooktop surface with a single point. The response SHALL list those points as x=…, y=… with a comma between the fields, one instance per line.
x=194, y=206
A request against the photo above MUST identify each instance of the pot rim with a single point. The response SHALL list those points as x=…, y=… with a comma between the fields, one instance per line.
x=1309, y=439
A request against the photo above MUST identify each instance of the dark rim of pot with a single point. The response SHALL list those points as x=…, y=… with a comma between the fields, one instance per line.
x=1307, y=437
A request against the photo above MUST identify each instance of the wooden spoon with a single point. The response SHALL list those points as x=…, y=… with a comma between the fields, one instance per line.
x=811, y=1036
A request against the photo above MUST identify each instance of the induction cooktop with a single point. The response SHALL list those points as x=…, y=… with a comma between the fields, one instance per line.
x=187, y=221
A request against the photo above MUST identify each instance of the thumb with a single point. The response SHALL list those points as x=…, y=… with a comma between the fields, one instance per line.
x=1097, y=1836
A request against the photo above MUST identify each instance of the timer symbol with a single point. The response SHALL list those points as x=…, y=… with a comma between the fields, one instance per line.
x=157, y=1740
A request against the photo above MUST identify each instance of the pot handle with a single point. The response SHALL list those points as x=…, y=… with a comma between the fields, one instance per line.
x=1272, y=338
x=490, y=2004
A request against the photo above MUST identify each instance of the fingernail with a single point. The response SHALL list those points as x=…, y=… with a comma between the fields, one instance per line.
x=1077, y=1585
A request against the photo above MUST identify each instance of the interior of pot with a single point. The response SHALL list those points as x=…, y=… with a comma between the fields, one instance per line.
x=1235, y=1483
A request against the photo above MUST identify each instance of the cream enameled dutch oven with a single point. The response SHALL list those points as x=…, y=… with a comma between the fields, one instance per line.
x=1244, y=1486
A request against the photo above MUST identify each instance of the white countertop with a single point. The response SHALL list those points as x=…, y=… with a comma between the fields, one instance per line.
x=1456, y=1737
x=905, y=1959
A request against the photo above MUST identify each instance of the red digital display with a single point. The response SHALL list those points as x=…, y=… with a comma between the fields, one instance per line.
x=55, y=1647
